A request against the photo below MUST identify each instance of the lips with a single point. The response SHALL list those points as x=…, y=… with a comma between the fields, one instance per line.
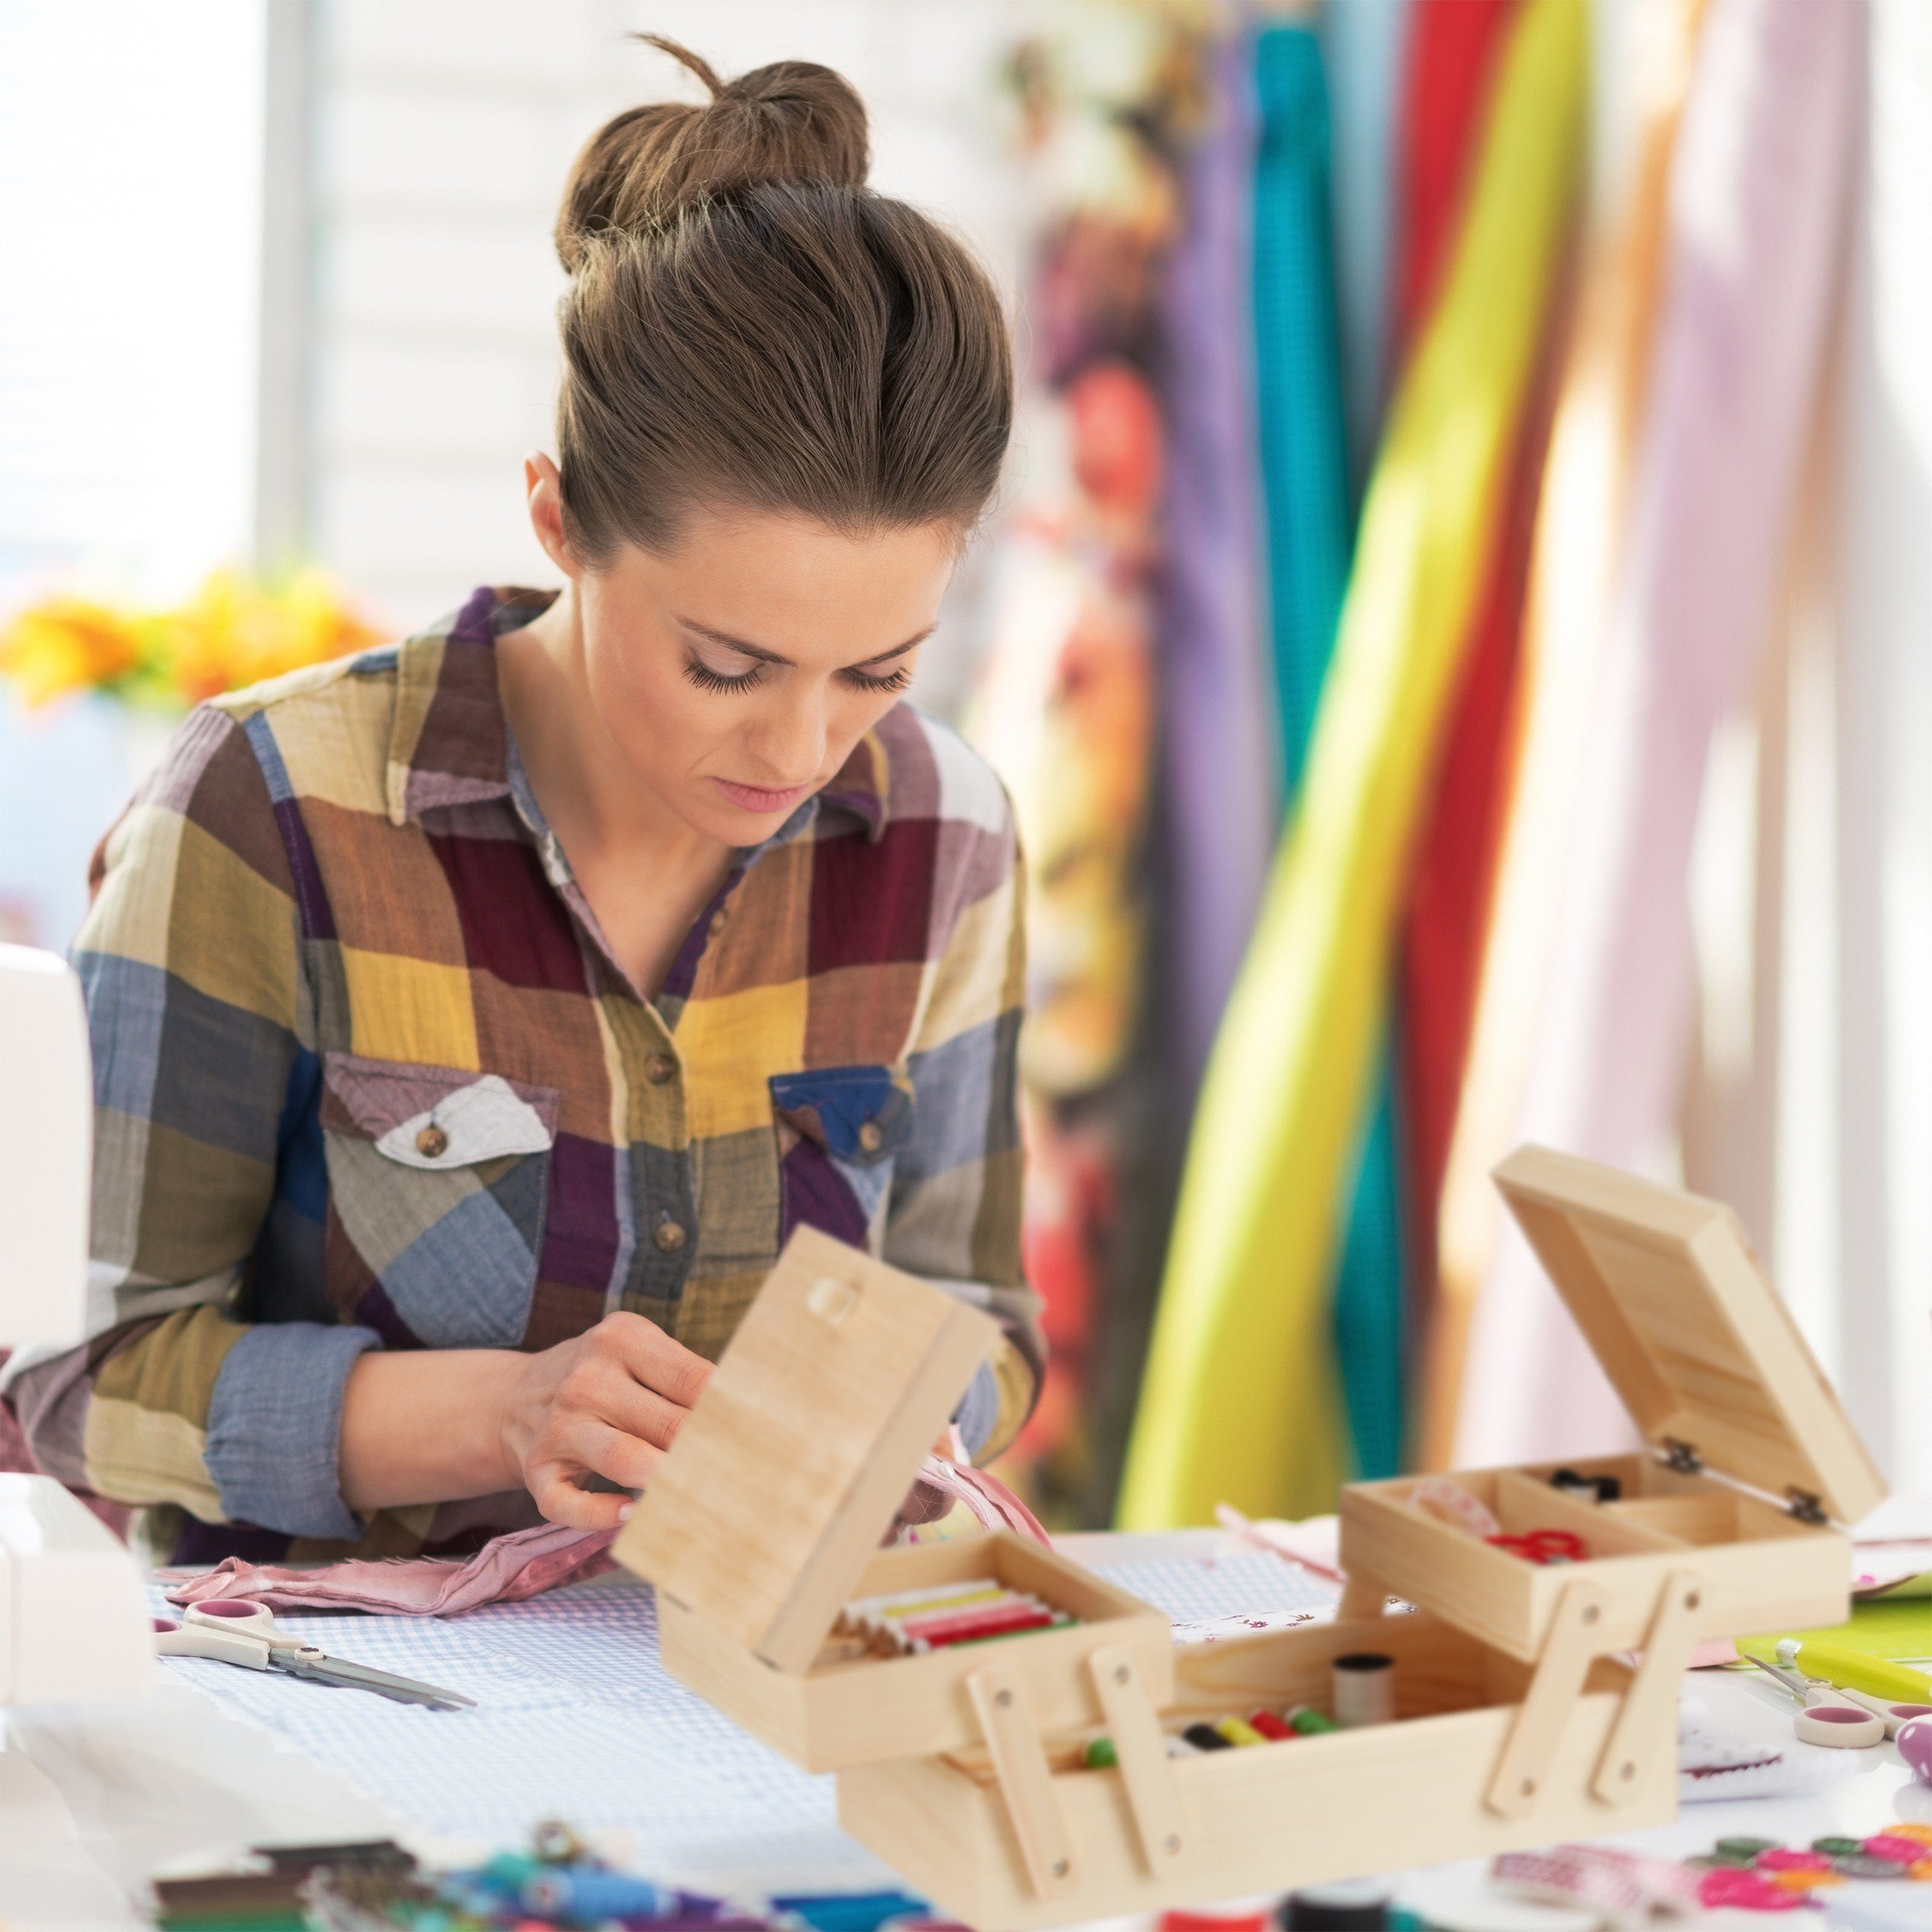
x=762, y=799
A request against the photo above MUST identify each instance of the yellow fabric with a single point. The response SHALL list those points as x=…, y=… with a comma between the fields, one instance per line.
x=1240, y=1403
x=1580, y=523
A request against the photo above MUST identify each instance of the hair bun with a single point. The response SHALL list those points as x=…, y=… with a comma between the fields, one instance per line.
x=791, y=122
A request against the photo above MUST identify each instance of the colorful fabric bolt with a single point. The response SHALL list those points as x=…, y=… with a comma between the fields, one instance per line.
x=1222, y=792
x=1579, y=522
x=1287, y=1087
x=1308, y=523
x=1758, y=207
x=1452, y=53
x=367, y=1076
x=1364, y=49
x=1452, y=56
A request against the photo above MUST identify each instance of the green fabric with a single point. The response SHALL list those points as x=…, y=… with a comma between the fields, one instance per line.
x=1307, y=519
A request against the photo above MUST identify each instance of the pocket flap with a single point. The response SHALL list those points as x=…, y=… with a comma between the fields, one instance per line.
x=859, y=1114
x=435, y=1116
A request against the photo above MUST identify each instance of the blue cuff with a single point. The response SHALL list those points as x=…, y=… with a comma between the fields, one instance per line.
x=275, y=1427
x=978, y=1411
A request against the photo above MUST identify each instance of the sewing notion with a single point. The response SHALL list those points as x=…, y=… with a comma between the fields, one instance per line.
x=1025, y=1745
x=230, y=1631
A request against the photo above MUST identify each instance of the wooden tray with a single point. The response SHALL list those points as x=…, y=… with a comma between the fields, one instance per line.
x=767, y=1513
x=1036, y=1840
x=1755, y=1459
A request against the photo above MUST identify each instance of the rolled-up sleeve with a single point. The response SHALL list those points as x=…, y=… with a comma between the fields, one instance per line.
x=190, y=959
x=955, y=1211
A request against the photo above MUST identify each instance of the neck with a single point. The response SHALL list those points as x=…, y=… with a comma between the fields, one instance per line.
x=593, y=799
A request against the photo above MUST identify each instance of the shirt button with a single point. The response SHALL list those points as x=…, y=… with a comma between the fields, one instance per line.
x=717, y=924
x=659, y=1068
x=870, y=1138
x=669, y=1235
x=433, y=1143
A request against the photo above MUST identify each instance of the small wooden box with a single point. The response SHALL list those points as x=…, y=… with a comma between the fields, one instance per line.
x=767, y=1513
x=1085, y=1844
x=1518, y=1724
x=1756, y=1458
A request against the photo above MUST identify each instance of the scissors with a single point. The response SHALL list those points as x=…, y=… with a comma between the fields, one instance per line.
x=1544, y=1546
x=1838, y=1719
x=230, y=1631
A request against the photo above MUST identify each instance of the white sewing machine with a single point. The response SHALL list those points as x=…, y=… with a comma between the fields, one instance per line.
x=74, y=1624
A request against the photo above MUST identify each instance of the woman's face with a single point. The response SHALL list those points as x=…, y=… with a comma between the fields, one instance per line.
x=736, y=672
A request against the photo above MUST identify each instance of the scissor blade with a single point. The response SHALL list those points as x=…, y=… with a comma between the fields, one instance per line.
x=360, y=1676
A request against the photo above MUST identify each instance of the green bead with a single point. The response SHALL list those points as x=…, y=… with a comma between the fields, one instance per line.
x=1837, y=1847
x=1101, y=1754
x=1745, y=1847
x=1312, y=1724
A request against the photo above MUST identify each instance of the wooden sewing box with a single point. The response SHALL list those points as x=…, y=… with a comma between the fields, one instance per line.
x=1519, y=1721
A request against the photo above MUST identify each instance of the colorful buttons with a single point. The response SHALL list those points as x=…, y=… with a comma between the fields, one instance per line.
x=1729, y=1885
x=1896, y=1846
x=1781, y=1858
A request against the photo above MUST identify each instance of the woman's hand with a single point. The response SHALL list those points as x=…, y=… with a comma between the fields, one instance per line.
x=607, y=1403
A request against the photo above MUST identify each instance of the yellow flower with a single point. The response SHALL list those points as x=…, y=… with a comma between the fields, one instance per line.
x=68, y=644
x=235, y=631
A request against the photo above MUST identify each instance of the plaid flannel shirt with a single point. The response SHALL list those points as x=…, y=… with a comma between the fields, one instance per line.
x=367, y=1076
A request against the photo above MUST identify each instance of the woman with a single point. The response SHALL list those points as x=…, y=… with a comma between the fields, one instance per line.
x=473, y=1021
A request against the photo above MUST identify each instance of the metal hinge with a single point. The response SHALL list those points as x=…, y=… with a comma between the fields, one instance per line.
x=1806, y=1507
x=1682, y=1457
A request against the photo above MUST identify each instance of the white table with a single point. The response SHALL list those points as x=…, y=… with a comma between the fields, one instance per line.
x=92, y=1803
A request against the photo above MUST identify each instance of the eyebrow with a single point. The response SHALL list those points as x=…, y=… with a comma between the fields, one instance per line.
x=765, y=656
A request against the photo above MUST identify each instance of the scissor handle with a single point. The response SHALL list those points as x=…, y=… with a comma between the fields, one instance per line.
x=256, y=1620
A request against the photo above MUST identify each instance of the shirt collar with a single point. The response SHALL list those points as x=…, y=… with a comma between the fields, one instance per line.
x=449, y=743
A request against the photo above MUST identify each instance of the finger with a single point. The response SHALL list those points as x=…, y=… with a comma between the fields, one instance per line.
x=617, y=1457
x=657, y=1360
x=562, y=1502
x=625, y=1403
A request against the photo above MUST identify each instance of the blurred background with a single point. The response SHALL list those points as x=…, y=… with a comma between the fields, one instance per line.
x=1456, y=626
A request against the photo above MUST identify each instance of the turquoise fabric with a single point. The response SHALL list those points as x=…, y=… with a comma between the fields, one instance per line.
x=1310, y=536
x=1363, y=44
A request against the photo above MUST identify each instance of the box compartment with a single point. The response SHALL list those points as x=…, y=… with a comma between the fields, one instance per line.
x=1761, y=1567
x=767, y=1515
x=1298, y=1812
x=1754, y=1462
x=842, y=1712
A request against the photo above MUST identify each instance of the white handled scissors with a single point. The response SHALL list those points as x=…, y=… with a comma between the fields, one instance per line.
x=231, y=1631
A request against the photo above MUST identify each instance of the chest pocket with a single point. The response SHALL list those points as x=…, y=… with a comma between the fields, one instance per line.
x=838, y=1129
x=438, y=1183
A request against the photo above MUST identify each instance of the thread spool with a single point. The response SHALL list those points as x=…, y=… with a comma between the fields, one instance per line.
x=1364, y=1689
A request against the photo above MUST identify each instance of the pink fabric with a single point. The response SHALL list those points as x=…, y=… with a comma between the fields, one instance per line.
x=1758, y=205
x=505, y=1570
x=992, y=1505
x=510, y=1568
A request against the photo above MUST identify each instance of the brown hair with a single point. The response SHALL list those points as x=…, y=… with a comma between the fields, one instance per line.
x=748, y=324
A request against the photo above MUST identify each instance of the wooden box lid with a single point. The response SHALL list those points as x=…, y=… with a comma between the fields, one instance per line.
x=1690, y=1331
x=793, y=1465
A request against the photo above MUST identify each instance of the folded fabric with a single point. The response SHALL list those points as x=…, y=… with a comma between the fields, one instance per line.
x=509, y=1569
x=506, y=1570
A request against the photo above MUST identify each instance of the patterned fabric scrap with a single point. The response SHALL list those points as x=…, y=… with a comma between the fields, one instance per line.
x=367, y=1076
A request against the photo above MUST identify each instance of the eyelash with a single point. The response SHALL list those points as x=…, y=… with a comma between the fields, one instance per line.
x=708, y=680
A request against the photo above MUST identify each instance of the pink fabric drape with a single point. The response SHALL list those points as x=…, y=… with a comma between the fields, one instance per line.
x=1758, y=202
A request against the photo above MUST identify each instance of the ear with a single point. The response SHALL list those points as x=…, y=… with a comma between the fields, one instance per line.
x=543, y=490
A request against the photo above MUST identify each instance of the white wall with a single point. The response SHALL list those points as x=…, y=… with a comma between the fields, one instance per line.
x=445, y=128
x=129, y=209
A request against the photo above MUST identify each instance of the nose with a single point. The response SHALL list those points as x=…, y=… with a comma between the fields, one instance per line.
x=789, y=737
